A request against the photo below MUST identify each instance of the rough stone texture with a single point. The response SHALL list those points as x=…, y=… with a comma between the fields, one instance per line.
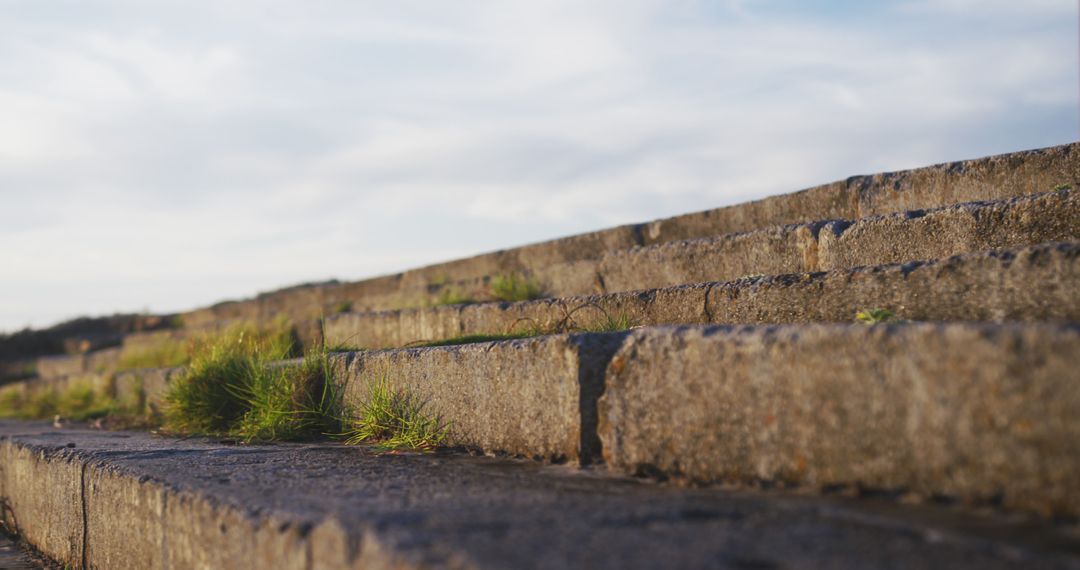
x=816, y=246
x=895, y=238
x=239, y=540
x=521, y=397
x=144, y=388
x=197, y=503
x=1034, y=283
x=61, y=365
x=986, y=413
x=43, y=498
x=991, y=178
x=124, y=521
x=1040, y=283
x=771, y=251
x=155, y=384
x=103, y=361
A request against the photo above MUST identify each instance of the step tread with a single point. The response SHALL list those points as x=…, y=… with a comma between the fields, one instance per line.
x=160, y=502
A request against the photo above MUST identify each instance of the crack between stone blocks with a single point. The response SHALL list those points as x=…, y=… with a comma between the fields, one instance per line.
x=85, y=514
x=705, y=309
x=164, y=531
x=309, y=553
x=594, y=352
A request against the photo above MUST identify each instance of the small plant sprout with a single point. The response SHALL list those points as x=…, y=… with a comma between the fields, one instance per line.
x=612, y=323
x=1062, y=187
x=874, y=316
x=514, y=287
x=393, y=420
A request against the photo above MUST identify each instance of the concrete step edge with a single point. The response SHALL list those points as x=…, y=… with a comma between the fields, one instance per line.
x=92, y=499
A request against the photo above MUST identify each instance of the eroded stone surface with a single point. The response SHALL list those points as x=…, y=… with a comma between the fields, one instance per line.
x=1034, y=283
x=977, y=412
x=328, y=506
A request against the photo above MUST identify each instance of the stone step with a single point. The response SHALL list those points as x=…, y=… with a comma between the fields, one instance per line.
x=986, y=413
x=991, y=178
x=978, y=412
x=831, y=246
x=817, y=246
x=92, y=499
x=1038, y=283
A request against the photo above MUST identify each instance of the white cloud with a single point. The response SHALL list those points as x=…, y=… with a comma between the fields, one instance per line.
x=167, y=155
x=975, y=8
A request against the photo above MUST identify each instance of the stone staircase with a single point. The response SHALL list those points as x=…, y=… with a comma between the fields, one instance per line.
x=737, y=366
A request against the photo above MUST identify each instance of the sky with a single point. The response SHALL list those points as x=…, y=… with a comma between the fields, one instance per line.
x=161, y=156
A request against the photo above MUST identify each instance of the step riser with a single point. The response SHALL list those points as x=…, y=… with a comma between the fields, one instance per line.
x=44, y=502
x=1037, y=283
x=71, y=508
x=532, y=397
x=989, y=178
x=979, y=413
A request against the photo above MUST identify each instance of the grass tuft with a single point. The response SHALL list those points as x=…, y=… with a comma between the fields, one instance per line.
x=206, y=397
x=225, y=370
x=514, y=287
x=292, y=402
x=1061, y=187
x=451, y=296
x=79, y=402
x=611, y=323
x=393, y=420
x=12, y=403
x=165, y=354
x=874, y=316
x=236, y=386
x=276, y=337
